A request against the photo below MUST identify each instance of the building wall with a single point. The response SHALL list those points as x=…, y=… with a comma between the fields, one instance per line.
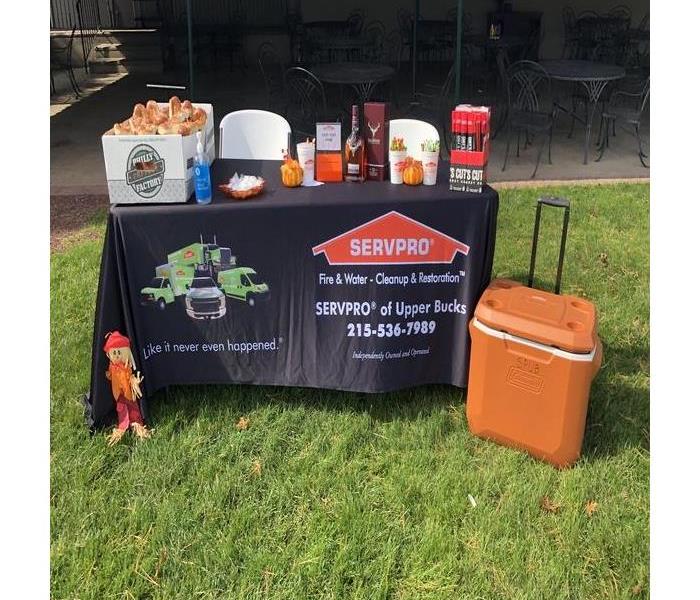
x=385, y=11
x=261, y=12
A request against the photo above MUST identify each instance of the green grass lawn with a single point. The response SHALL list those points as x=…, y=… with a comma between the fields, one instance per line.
x=340, y=495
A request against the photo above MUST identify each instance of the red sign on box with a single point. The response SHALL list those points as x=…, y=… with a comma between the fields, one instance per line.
x=389, y=240
x=469, y=154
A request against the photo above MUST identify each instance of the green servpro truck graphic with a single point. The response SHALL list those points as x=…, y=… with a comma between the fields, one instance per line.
x=205, y=274
x=204, y=299
x=158, y=292
x=243, y=283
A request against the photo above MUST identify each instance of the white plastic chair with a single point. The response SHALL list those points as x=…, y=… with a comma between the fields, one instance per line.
x=254, y=134
x=414, y=133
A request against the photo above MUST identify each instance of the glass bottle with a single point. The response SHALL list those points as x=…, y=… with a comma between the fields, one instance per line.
x=355, y=150
x=202, y=178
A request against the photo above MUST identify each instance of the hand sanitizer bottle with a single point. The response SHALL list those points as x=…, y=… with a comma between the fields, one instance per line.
x=202, y=180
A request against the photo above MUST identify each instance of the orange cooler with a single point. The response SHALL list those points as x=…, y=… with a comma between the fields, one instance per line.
x=534, y=355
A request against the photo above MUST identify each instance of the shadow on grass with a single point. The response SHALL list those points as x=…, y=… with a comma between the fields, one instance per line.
x=407, y=404
x=618, y=415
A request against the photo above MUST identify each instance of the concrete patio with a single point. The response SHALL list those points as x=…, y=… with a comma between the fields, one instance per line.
x=77, y=167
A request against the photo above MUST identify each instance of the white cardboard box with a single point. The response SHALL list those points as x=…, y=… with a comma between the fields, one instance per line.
x=170, y=160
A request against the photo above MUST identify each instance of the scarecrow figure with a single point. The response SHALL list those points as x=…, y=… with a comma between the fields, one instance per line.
x=126, y=387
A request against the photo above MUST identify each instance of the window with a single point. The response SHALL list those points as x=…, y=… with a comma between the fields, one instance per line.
x=203, y=282
x=252, y=279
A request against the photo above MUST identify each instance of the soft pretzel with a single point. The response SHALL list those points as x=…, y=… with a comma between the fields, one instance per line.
x=143, y=127
x=171, y=127
x=166, y=128
x=179, y=118
x=174, y=108
x=155, y=114
x=187, y=110
x=186, y=128
x=123, y=128
x=198, y=119
x=139, y=111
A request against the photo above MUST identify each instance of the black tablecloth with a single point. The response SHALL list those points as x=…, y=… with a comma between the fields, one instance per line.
x=369, y=287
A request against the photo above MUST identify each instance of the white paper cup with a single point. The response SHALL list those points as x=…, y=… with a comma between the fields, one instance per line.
x=396, y=161
x=306, y=153
x=430, y=166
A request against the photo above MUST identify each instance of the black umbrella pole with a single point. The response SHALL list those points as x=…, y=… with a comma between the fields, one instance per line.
x=190, y=53
x=458, y=51
x=415, y=44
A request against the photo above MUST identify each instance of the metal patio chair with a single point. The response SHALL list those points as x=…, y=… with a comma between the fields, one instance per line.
x=606, y=51
x=434, y=104
x=425, y=45
x=306, y=102
x=61, y=58
x=355, y=21
x=531, y=48
x=624, y=108
x=499, y=102
x=644, y=23
x=448, y=40
x=405, y=22
x=569, y=19
x=391, y=50
x=375, y=32
x=272, y=71
x=530, y=108
x=637, y=50
x=466, y=19
x=228, y=42
x=586, y=34
x=622, y=12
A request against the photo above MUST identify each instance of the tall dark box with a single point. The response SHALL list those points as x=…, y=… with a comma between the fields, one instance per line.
x=376, y=133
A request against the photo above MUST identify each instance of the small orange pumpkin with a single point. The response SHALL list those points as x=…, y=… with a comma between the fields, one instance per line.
x=291, y=171
x=412, y=171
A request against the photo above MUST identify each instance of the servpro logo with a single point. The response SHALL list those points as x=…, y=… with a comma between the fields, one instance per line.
x=188, y=254
x=392, y=239
x=145, y=171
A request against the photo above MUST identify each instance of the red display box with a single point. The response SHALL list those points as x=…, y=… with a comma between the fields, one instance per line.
x=376, y=133
x=469, y=156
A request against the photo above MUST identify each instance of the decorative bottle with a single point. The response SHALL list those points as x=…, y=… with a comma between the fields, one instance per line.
x=355, y=150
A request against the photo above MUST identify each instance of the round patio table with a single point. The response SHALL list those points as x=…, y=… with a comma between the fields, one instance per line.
x=362, y=77
x=593, y=76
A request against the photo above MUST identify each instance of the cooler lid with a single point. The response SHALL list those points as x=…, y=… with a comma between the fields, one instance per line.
x=566, y=322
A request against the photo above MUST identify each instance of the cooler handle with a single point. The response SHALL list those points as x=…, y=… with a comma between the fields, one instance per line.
x=557, y=203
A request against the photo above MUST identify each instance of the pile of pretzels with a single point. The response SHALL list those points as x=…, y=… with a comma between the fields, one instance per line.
x=177, y=118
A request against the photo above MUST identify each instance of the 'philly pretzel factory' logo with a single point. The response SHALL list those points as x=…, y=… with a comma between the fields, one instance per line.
x=145, y=171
